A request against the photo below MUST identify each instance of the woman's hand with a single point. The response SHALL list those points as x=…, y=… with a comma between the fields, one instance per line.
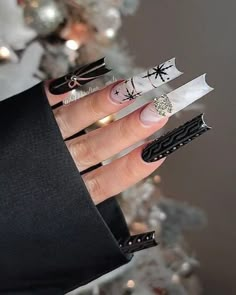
x=101, y=144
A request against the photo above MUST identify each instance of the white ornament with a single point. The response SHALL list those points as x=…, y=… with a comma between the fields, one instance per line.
x=44, y=16
x=13, y=29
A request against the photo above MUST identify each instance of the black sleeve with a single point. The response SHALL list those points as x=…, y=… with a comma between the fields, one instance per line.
x=52, y=236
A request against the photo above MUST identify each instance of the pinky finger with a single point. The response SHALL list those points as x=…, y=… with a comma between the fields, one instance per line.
x=115, y=177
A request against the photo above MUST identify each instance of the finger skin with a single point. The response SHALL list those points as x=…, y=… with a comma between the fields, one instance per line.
x=87, y=110
x=54, y=99
x=101, y=144
x=115, y=177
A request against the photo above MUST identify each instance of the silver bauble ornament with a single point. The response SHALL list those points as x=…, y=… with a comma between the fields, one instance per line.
x=187, y=268
x=111, y=22
x=44, y=16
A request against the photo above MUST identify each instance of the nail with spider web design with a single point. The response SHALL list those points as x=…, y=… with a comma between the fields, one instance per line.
x=142, y=83
x=79, y=77
x=175, y=139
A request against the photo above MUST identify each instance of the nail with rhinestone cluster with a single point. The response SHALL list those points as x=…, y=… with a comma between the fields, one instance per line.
x=134, y=87
x=173, y=140
x=173, y=102
x=79, y=77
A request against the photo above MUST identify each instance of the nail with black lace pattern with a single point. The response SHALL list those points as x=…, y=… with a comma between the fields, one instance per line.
x=175, y=139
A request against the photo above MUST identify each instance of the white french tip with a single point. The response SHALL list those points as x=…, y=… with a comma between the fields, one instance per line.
x=173, y=61
x=205, y=82
x=188, y=93
x=204, y=122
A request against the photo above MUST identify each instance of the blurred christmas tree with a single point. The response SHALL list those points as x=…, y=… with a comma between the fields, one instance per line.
x=42, y=39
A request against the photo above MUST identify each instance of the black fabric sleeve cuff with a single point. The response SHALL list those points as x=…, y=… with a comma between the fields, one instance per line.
x=51, y=233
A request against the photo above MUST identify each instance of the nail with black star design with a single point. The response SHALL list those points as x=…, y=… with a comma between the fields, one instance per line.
x=134, y=87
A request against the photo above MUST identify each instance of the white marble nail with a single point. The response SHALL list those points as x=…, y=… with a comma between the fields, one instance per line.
x=171, y=103
x=144, y=82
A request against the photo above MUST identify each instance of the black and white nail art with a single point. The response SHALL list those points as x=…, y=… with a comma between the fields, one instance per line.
x=79, y=77
x=169, y=104
x=144, y=82
x=138, y=242
x=175, y=139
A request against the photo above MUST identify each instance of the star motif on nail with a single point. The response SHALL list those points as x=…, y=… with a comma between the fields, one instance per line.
x=117, y=92
x=159, y=71
x=131, y=94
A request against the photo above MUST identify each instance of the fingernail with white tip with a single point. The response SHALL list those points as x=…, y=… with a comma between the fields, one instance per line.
x=144, y=82
x=171, y=103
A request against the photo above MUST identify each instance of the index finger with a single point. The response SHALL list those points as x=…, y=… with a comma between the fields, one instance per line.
x=57, y=89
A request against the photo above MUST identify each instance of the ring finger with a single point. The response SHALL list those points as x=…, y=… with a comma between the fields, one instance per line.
x=87, y=150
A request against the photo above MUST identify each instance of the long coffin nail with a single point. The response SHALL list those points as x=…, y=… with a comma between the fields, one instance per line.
x=171, y=103
x=173, y=140
x=79, y=77
x=144, y=82
x=138, y=242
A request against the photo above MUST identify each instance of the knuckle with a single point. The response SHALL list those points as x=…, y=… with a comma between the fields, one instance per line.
x=93, y=105
x=61, y=122
x=134, y=169
x=83, y=152
x=129, y=130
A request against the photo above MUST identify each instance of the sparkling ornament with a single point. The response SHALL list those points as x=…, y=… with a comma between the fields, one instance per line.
x=111, y=24
x=4, y=53
x=44, y=16
x=130, y=284
x=72, y=44
x=175, y=279
x=7, y=53
x=187, y=268
x=71, y=51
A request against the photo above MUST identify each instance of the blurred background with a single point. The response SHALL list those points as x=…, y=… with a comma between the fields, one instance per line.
x=42, y=39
